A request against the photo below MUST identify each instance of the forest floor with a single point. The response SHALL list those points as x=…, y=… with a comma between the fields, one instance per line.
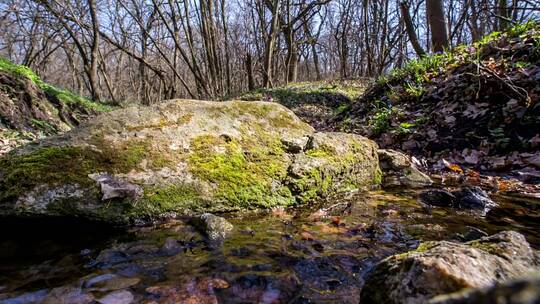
x=471, y=112
x=314, y=102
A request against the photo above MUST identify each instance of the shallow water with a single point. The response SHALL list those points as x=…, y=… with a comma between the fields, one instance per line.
x=319, y=254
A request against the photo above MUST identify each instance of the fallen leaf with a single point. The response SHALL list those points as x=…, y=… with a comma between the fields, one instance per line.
x=452, y=167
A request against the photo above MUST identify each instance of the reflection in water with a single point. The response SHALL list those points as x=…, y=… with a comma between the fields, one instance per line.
x=317, y=254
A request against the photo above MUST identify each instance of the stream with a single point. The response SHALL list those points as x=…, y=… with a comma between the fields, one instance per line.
x=315, y=254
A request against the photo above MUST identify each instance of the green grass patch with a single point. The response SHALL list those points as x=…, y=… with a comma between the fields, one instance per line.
x=64, y=96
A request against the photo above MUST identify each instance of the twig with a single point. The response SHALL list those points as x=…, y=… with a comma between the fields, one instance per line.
x=508, y=83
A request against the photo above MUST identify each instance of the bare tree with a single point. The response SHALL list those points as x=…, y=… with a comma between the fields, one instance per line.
x=439, y=35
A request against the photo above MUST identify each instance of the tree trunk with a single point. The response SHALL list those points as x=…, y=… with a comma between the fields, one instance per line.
x=269, y=53
x=439, y=35
x=249, y=70
x=94, y=54
x=503, y=15
x=409, y=27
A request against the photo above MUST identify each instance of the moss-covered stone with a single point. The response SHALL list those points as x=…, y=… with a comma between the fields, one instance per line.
x=185, y=157
x=436, y=268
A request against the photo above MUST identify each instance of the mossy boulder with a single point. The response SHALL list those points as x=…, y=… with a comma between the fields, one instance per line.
x=437, y=268
x=183, y=157
x=525, y=290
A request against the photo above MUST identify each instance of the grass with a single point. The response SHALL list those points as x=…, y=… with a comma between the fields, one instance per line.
x=308, y=92
x=419, y=71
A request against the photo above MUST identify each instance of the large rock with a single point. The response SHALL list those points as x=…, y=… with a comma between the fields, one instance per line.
x=437, y=268
x=183, y=157
x=524, y=290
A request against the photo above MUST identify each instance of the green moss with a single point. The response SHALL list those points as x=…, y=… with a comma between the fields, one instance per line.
x=175, y=197
x=51, y=166
x=321, y=181
x=185, y=119
x=64, y=96
x=71, y=165
x=423, y=247
x=129, y=154
x=318, y=153
x=243, y=171
x=315, y=184
x=377, y=178
x=492, y=248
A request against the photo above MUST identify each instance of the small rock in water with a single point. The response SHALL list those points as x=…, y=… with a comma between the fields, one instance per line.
x=464, y=198
x=171, y=247
x=30, y=297
x=98, y=279
x=214, y=227
x=117, y=297
x=473, y=198
x=109, y=257
x=68, y=295
x=436, y=197
x=399, y=170
x=110, y=282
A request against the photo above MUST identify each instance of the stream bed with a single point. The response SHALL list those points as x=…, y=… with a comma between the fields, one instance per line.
x=319, y=254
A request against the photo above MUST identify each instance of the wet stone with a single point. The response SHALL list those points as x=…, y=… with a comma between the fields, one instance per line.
x=467, y=198
x=110, y=257
x=117, y=297
x=444, y=267
x=524, y=290
x=68, y=295
x=30, y=297
x=436, y=197
x=171, y=247
x=259, y=289
x=473, y=198
x=110, y=282
x=214, y=227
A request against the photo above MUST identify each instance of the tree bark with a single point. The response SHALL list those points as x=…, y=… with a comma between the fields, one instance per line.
x=269, y=53
x=94, y=53
x=249, y=70
x=409, y=27
x=439, y=35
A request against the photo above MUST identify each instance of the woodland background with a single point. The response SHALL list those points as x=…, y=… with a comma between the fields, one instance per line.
x=149, y=50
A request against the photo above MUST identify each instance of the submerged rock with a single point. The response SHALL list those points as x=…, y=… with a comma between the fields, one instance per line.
x=183, y=157
x=437, y=268
x=117, y=297
x=399, y=170
x=473, y=198
x=464, y=198
x=109, y=282
x=214, y=227
x=438, y=197
x=29, y=297
x=520, y=291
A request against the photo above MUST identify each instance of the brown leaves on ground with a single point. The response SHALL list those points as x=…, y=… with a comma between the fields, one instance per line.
x=479, y=109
